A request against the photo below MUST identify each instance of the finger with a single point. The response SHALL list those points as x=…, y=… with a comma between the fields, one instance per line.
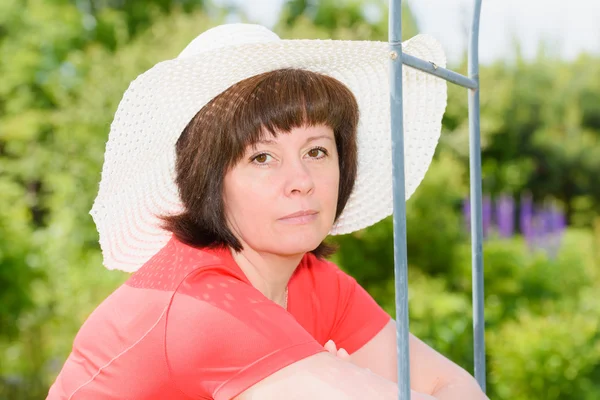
x=330, y=347
x=343, y=354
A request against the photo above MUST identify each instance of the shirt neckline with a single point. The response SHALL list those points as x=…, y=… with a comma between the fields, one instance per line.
x=224, y=254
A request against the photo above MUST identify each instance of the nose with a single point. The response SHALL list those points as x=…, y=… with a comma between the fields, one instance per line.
x=298, y=179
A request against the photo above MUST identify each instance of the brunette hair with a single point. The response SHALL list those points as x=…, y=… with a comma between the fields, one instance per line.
x=218, y=135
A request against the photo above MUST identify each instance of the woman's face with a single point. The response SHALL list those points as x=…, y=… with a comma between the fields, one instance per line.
x=281, y=197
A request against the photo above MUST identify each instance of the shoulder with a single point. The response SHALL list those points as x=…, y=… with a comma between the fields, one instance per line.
x=146, y=296
x=222, y=335
x=177, y=262
x=325, y=274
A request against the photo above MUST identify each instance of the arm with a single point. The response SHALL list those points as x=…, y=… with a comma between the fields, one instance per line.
x=223, y=337
x=325, y=377
x=368, y=333
x=430, y=372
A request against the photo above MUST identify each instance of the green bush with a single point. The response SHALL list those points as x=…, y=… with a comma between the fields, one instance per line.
x=516, y=277
x=551, y=356
x=540, y=123
x=434, y=229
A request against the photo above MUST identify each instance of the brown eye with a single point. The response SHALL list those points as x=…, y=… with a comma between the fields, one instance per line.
x=261, y=158
x=317, y=152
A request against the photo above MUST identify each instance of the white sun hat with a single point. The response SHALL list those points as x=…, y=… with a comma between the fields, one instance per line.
x=138, y=175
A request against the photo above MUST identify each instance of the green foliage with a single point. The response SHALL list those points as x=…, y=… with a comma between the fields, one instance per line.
x=18, y=270
x=441, y=317
x=435, y=228
x=554, y=355
x=432, y=223
x=64, y=70
x=540, y=128
x=517, y=278
x=346, y=19
x=55, y=111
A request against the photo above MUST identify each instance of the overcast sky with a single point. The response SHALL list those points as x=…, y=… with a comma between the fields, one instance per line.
x=569, y=26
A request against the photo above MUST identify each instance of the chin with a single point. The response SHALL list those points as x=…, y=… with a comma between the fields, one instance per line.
x=301, y=246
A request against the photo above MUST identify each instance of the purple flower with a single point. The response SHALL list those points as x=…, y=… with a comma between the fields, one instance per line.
x=505, y=208
x=559, y=221
x=526, y=219
x=526, y=215
x=542, y=227
x=546, y=230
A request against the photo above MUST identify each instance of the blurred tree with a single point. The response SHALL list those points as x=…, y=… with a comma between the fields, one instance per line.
x=432, y=223
x=42, y=66
x=31, y=48
x=53, y=125
x=336, y=19
x=539, y=131
x=554, y=355
x=136, y=15
x=64, y=68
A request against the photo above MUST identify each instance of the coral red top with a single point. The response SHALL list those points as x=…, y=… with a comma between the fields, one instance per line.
x=189, y=325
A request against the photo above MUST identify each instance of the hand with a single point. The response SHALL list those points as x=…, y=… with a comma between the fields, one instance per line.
x=421, y=396
x=341, y=353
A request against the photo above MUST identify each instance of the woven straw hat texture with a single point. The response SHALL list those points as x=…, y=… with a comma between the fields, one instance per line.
x=138, y=175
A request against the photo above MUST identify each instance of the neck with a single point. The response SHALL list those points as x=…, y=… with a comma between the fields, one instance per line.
x=267, y=272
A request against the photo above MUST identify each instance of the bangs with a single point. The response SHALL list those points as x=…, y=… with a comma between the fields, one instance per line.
x=279, y=101
x=247, y=112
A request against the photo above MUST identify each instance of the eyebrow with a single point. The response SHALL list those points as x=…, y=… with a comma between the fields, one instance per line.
x=308, y=140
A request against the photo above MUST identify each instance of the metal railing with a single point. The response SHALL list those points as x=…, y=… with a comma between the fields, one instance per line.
x=400, y=255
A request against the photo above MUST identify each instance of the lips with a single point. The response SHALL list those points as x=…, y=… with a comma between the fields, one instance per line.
x=302, y=213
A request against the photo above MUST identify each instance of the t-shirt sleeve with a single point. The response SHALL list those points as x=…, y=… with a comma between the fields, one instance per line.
x=222, y=336
x=358, y=316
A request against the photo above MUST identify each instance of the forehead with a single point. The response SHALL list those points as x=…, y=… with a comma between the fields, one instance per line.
x=303, y=134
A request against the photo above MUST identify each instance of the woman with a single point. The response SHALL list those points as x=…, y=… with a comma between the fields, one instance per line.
x=225, y=170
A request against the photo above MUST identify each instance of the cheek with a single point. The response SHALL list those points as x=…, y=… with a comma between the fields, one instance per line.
x=328, y=184
x=332, y=181
x=245, y=198
x=332, y=186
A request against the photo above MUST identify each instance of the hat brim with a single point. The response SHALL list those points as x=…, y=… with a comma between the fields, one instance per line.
x=138, y=176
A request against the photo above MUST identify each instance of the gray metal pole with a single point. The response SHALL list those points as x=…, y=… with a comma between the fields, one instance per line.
x=398, y=184
x=476, y=218
x=431, y=68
